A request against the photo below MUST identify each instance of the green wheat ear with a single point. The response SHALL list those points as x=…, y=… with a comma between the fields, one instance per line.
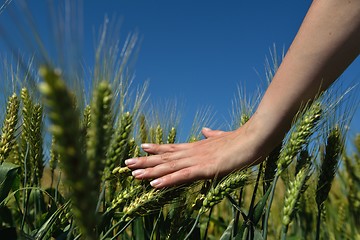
x=99, y=132
x=9, y=127
x=292, y=197
x=25, y=139
x=159, y=134
x=143, y=129
x=65, y=128
x=299, y=137
x=230, y=183
x=172, y=136
x=36, y=144
x=333, y=151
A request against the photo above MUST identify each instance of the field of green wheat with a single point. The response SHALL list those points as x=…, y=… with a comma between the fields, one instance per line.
x=62, y=171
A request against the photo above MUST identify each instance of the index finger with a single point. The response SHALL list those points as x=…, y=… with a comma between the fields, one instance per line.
x=162, y=148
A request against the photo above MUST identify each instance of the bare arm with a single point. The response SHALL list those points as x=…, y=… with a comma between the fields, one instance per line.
x=326, y=43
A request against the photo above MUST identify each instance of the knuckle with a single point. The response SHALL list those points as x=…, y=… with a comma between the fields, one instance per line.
x=172, y=165
x=143, y=160
x=186, y=173
x=166, y=157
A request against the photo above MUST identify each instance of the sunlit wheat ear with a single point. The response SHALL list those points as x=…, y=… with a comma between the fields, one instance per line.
x=25, y=138
x=292, y=197
x=226, y=186
x=299, y=136
x=143, y=129
x=172, y=136
x=9, y=127
x=99, y=132
x=150, y=201
x=119, y=143
x=159, y=135
x=330, y=163
x=36, y=143
x=65, y=126
x=118, y=152
x=125, y=196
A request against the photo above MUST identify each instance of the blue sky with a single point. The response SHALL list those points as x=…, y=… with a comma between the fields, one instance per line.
x=198, y=52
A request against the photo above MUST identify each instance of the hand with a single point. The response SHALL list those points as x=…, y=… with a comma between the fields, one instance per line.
x=173, y=164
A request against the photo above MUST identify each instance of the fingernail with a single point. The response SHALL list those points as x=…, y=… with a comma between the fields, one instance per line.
x=156, y=182
x=206, y=129
x=130, y=161
x=138, y=172
x=146, y=145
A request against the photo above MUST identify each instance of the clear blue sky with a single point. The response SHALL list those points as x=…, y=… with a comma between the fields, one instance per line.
x=199, y=51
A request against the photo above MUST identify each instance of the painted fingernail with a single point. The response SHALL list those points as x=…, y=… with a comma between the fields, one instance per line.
x=130, y=161
x=146, y=145
x=138, y=172
x=156, y=182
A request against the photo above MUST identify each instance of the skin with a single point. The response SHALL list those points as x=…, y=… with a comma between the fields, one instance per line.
x=325, y=45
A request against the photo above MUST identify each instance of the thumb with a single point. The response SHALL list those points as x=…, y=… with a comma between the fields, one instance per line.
x=207, y=132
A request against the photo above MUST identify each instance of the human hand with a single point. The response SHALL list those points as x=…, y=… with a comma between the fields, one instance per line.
x=217, y=155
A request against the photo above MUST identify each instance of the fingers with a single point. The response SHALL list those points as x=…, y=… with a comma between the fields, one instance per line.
x=176, y=178
x=162, y=148
x=161, y=169
x=151, y=161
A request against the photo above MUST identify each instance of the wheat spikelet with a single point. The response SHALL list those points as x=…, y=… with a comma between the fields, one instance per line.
x=25, y=139
x=86, y=122
x=139, y=205
x=226, y=186
x=9, y=127
x=119, y=143
x=132, y=147
x=159, y=135
x=66, y=130
x=36, y=144
x=329, y=165
x=118, y=151
x=126, y=195
x=244, y=118
x=54, y=156
x=292, y=196
x=172, y=136
x=143, y=129
x=99, y=132
x=299, y=137
x=150, y=201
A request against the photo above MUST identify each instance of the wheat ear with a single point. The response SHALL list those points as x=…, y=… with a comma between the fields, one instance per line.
x=66, y=130
x=230, y=183
x=9, y=127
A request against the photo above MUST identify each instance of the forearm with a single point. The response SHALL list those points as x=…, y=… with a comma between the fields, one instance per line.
x=327, y=42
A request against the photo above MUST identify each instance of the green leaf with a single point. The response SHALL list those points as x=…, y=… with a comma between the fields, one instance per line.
x=41, y=233
x=228, y=231
x=258, y=235
x=8, y=172
x=259, y=208
x=138, y=229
